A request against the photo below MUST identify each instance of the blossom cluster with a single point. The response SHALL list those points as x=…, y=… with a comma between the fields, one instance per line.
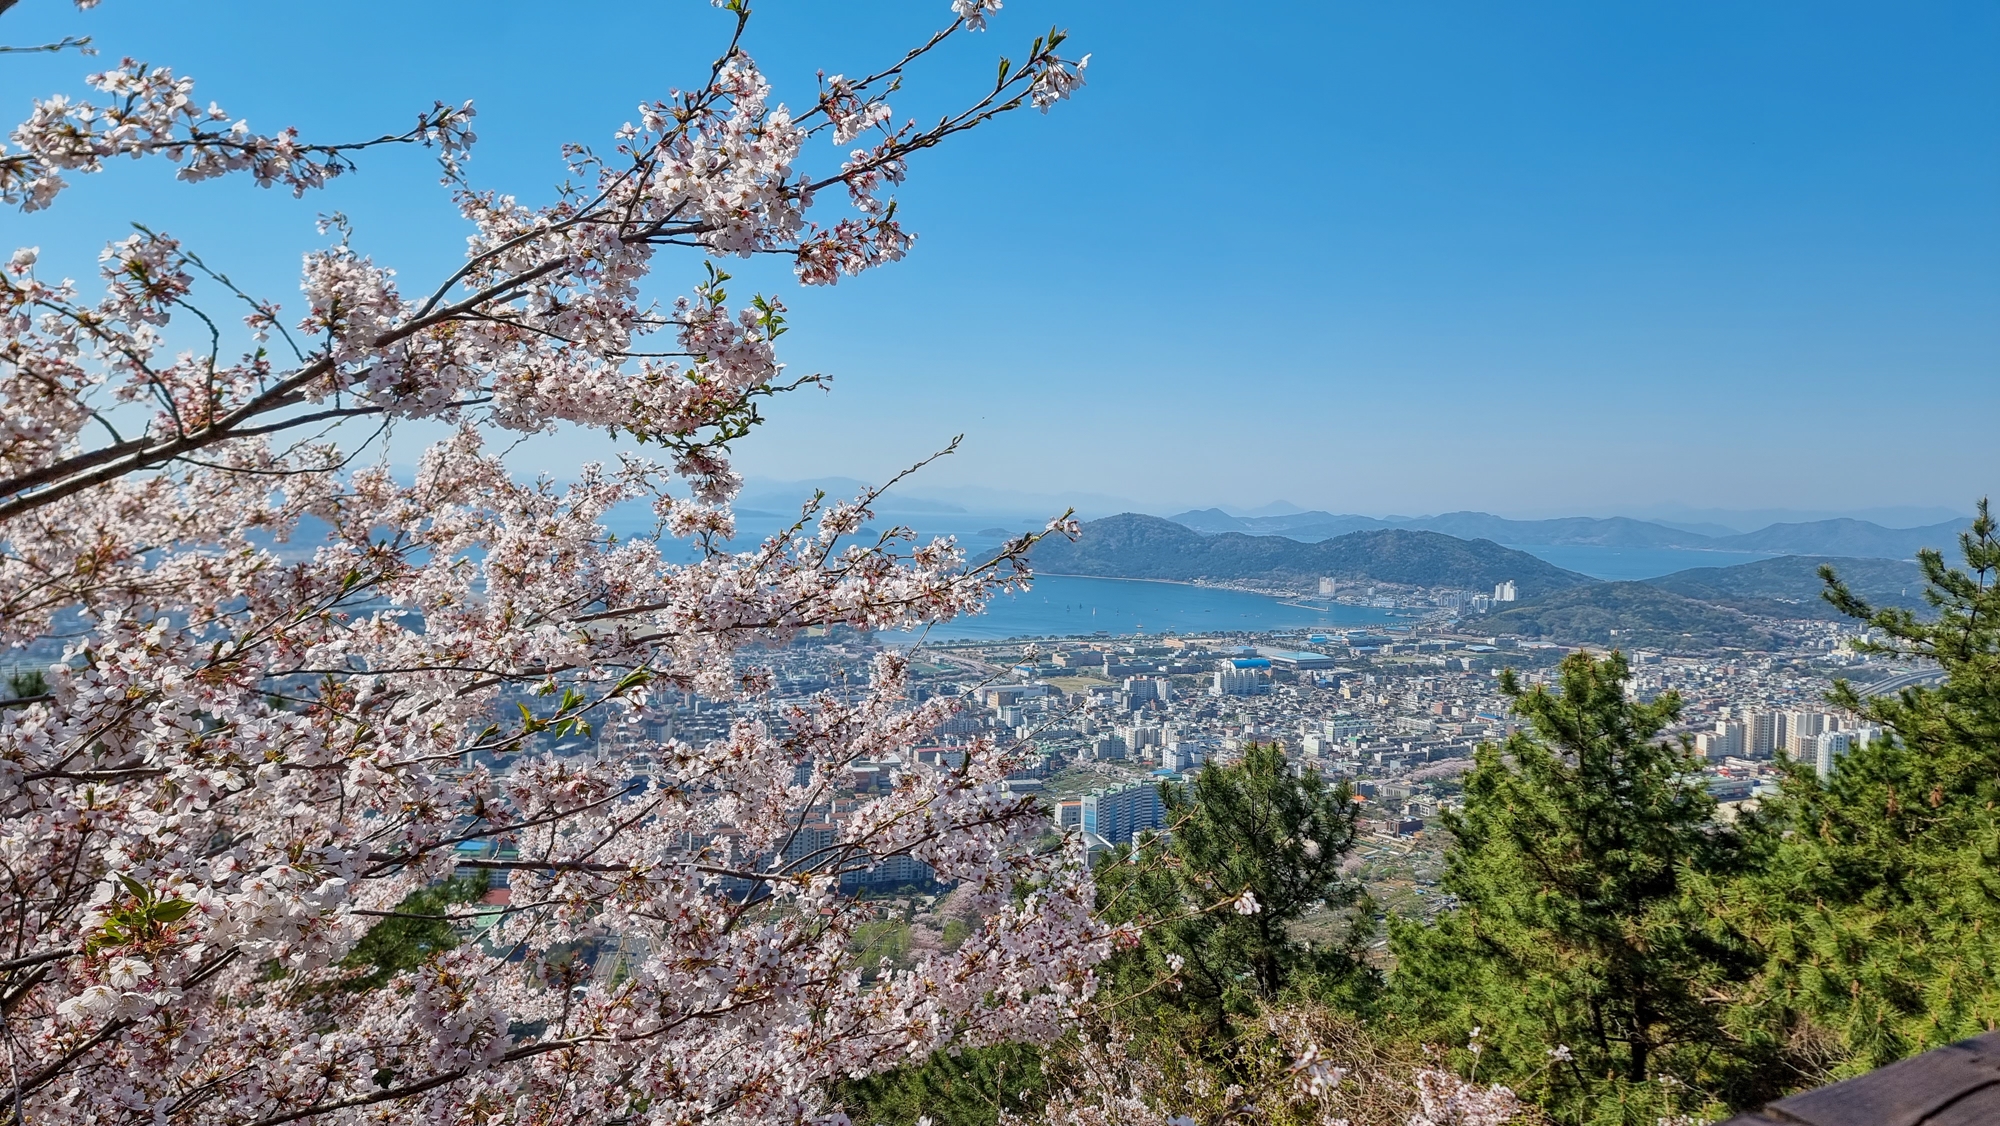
x=151, y=111
x=275, y=715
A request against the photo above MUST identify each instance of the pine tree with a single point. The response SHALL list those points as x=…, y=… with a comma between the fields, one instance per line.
x=972, y=1087
x=1576, y=967
x=1255, y=826
x=1880, y=898
x=421, y=926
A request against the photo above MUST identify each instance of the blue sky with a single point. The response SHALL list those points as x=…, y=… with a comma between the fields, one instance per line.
x=1530, y=258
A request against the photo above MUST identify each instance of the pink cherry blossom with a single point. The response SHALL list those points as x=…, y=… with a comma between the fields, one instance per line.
x=292, y=687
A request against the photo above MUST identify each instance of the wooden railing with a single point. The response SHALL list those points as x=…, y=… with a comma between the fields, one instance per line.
x=1956, y=1085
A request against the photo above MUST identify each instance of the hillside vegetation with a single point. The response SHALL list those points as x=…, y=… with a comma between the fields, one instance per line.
x=1631, y=615
x=1132, y=546
x=1707, y=607
x=1789, y=585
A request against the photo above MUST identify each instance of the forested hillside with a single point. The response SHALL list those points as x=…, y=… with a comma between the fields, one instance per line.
x=1630, y=615
x=1132, y=546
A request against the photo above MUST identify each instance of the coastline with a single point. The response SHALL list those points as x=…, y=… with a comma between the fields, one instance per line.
x=1169, y=582
x=1295, y=599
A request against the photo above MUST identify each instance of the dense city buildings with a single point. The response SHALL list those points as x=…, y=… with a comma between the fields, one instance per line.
x=1393, y=712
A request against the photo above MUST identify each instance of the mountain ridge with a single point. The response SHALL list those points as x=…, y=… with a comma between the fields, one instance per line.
x=1135, y=546
x=1840, y=537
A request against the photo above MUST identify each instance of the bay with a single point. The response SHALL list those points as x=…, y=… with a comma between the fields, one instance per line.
x=1064, y=606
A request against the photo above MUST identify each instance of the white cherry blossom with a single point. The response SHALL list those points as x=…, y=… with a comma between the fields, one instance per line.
x=295, y=687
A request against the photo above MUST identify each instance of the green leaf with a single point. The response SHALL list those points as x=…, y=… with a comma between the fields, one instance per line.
x=529, y=723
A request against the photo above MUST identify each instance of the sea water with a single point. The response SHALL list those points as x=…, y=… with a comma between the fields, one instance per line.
x=1062, y=606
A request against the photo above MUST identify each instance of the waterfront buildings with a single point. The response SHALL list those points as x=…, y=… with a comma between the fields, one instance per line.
x=1093, y=725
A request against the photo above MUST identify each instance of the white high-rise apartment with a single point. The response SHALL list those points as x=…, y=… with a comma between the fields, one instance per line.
x=1504, y=592
x=1828, y=747
x=1141, y=688
x=1759, y=734
x=1726, y=741
x=1140, y=736
x=1729, y=739
x=1801, y=729
x=1237, y=682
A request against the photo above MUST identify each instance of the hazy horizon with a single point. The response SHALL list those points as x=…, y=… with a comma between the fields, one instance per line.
x=768, y=494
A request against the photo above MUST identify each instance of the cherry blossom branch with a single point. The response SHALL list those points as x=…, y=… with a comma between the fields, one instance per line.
x=277, y=745
x=153, y=112
x=80, y=43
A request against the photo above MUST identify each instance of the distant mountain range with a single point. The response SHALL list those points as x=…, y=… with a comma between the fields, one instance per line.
x=1841, y=537
x=1132, y=546
x=1701, y=608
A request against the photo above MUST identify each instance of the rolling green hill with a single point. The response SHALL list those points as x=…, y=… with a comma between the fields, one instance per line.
x=1632, y=615
x=1789, y=585
x=1132, y=546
